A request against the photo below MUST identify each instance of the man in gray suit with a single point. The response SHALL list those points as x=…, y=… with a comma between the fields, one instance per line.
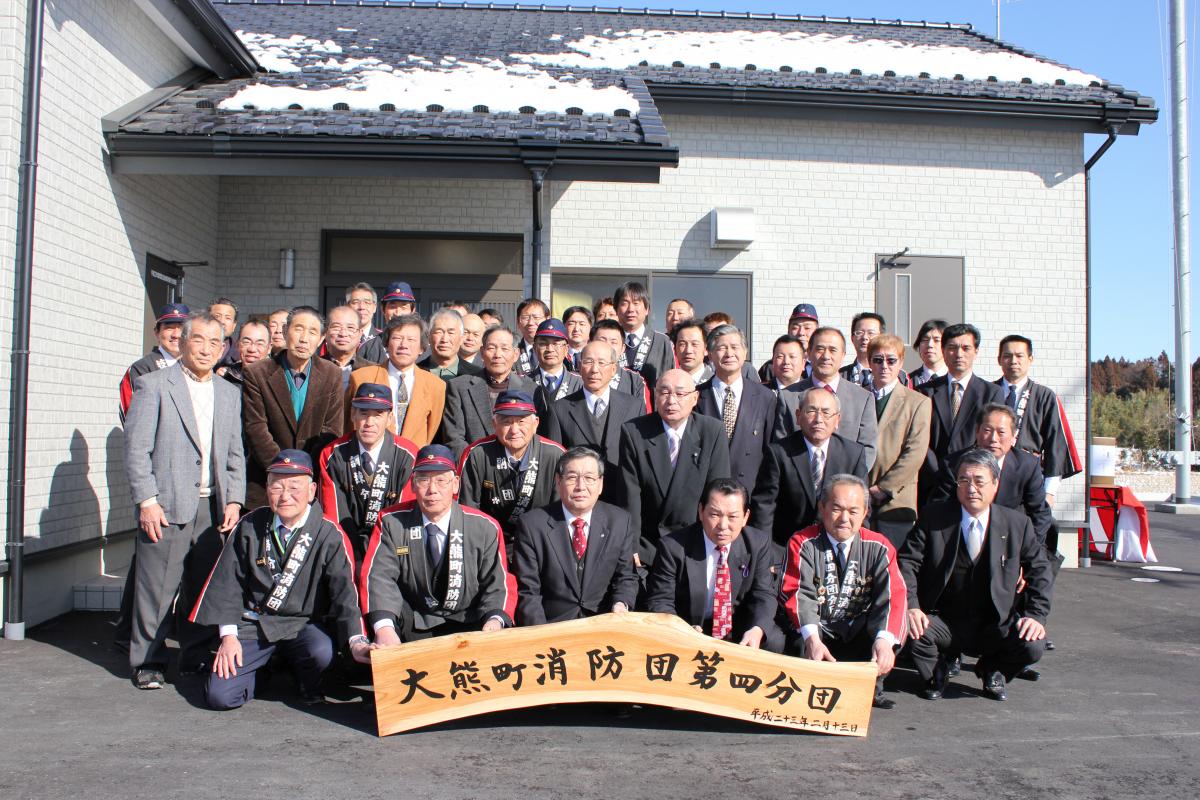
x=826, y=351
x=469, y=398
x=187, y=474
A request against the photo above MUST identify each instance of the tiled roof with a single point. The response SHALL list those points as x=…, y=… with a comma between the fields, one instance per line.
x=395, y=32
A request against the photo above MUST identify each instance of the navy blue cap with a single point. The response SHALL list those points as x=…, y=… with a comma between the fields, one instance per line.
x=804, y=311
x=172, y=312
x=291, y=462
x=373, y=396
x=398, y=292
x=514, y=403
x=552, y=329
x=434, y=458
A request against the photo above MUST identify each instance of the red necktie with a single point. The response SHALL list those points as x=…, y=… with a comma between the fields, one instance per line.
x=829, y=389
x=722, y=597
x=578, y=541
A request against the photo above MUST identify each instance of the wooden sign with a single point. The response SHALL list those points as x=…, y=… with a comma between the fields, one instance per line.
x=651, y=659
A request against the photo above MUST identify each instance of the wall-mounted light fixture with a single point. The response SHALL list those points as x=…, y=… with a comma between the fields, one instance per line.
x=287, y=268
x=731, y=228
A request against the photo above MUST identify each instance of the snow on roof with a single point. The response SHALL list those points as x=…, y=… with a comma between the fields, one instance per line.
x=802, y=51
x=452, y=83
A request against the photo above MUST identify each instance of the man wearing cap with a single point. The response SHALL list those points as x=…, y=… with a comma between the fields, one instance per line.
x=435, y=567
x=647, y=352
x=801, y=324
x=666, y=459
x=744, y=406
x=469, y=398
x=367, y=470
x=592, y=416
x=291, y=401
x=397, y=301
x=859, y=423
x=168, y=327
x=625, y=380
x=554, y=381
x=574, y=558
x=512, y=471
x=418, y=398
x=446, y=333
x=186, y=471
x=283, y=575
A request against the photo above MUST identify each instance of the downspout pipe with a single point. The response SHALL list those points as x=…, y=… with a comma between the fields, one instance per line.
x=1085, y=546
x=537, y=177
x=14, y=612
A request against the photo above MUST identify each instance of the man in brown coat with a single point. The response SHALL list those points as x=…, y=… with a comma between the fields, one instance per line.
x=903, y=422
x=419, y=398
x=291, y=401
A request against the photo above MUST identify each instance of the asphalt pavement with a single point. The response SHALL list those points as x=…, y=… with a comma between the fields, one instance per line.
x=1116, y=715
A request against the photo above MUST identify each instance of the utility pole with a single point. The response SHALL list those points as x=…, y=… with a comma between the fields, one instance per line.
x=1183, y=269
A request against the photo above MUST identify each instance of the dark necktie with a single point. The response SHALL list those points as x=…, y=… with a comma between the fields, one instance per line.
x=436, y=544
x=631, y=343
x=1011, y=400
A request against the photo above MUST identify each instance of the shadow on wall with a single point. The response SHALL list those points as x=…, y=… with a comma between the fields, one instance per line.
x=696, y=253
x=120, y=509
x=72, y=512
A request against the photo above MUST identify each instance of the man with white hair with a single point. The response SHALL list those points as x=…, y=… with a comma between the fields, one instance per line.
x=446, y=332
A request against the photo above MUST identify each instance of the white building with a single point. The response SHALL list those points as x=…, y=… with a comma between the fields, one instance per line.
x=848, y=141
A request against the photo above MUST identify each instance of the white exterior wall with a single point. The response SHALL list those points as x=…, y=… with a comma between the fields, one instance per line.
x=92, y=235
x=828, y=196
x=260, y=216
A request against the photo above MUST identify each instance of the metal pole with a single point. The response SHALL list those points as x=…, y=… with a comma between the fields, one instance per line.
x=1183, y=269
x=14, y=615
x=537, y=177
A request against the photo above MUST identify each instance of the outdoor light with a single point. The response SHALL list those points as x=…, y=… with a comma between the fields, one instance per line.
x=287, y=268
x=731, y=228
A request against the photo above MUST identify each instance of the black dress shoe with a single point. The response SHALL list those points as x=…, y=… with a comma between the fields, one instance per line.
x=1029, y=674
x=880, y=701
x=993, y=687
x=312, y=697
x=936, y=687
x=953, y=667
x=1049, y=645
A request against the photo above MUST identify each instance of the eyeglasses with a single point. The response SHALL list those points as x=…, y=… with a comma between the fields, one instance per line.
x=527, y=318
x=667, y=394
x=293, y=489
x=442, y=481
x=823, y=413
x=978, y=483
x=243, y=342
x=891, y=361
x=361, y=303
x=343, y=328
x=594, y=362
x=586, y=480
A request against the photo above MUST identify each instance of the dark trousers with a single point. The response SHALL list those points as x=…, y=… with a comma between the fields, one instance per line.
x=1004, y=652
x=185, y=554
x=896, y=531
x=858, y=648
x=309, y=653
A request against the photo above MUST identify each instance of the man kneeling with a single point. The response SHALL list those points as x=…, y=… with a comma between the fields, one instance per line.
x=282, y=572
x=435, y=567
x=842, y=589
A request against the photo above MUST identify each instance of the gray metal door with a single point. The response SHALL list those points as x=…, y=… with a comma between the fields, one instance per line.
x=164, y=284
x=910, y=289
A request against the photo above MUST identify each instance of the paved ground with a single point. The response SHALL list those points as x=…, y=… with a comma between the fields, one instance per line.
x=1116, y=715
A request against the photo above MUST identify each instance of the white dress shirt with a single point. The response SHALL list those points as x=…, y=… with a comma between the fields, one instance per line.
x=395, y=376
x=711, y=559
x=833, y=383
x=887, y=390
x=965, y=380
x=591, y=399
x=965, y=525
x=587, y=525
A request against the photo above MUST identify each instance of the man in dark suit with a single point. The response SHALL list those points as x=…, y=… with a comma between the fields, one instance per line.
x=789, y=483
x=859, y=423
x=691, y=353
x=470, y=398
x=574, y=558
x=646, y=351
x=745, y=408
x=624, y=380
x=292, y=401
x=592, y=416
x=716, y=572
x=962, y=566
x=446, y=331
x=666, y=458
x=551, y=376
x=186, y=470
x=957, y=397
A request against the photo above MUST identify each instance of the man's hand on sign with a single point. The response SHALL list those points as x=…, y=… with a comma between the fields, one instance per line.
x=493, y=624
x=816, y=650
x=883, y=655
x=752, y=638
x=386, y=637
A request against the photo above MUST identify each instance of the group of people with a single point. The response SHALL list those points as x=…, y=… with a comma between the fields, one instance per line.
x=320, y=485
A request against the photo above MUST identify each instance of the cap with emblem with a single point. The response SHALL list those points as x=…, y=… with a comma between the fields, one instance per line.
x=172, y=313
x=513, y=403
x=552, y=329
x=398, y=292
x=804, y=311
x=373, y=396
x=291, y=462
x=434, y=458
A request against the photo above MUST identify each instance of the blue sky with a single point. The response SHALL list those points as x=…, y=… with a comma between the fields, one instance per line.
x=1123, y=42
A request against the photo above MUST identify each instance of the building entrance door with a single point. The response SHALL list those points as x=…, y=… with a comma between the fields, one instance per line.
x=910, y=289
